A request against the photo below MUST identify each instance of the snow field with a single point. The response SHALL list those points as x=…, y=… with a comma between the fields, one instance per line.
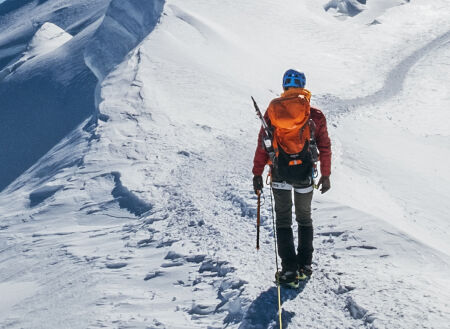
x=176, y=133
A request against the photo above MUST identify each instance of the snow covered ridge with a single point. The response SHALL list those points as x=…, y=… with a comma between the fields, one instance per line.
x=42, y=53
x=125, y=24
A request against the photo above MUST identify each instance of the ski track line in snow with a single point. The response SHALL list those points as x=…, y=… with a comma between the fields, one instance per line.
x=393, y=83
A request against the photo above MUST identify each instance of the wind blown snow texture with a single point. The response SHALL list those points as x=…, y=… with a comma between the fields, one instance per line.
x=144, y=216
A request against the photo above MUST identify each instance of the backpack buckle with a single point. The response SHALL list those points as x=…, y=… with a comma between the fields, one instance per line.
x=295, y=162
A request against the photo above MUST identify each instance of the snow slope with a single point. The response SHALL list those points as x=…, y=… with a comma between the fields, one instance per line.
x=46, y=90
x=146, y=218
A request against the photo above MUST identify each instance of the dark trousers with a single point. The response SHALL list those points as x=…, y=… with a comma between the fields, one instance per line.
x=290, y=260
x=283, y=208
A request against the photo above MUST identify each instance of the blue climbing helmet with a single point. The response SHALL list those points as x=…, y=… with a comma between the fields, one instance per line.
x=293, y=78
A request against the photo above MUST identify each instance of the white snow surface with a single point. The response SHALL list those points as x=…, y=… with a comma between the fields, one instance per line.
x=47, y=38
x=144, y=216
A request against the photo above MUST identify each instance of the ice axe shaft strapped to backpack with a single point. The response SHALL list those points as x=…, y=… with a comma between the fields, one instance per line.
x=267, y=138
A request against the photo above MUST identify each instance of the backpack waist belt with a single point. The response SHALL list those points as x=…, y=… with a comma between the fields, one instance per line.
x=288, y=187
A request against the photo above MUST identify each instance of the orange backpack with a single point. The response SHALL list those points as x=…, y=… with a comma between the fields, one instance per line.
x=289, y=116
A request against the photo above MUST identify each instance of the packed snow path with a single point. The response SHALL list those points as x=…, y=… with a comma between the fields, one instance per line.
x=146, y=220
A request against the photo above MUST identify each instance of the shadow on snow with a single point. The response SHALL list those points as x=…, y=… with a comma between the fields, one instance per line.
x=263, y=312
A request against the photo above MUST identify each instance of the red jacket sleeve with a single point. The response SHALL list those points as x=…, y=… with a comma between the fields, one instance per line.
x=261, y=156
x=323, y=141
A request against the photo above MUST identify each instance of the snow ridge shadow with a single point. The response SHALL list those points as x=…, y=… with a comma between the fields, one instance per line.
x=127, y=199
x=45, y=96
x=8, y=5
x=358, y=312
x=41, y=194
x=240, y=203
x=39, y=110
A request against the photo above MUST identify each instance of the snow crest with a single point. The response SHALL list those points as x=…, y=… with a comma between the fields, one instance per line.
x=125, y=25
x=47, y=38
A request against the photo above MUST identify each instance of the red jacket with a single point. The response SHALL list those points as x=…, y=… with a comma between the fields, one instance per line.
x=323, y=144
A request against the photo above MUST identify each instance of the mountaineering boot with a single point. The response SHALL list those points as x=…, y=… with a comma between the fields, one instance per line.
x=301, y=276
x=287, y=278
x=306, y=271
x=305, y=251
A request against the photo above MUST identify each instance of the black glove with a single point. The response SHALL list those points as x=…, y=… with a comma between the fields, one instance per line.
x=257, y=183
x=325, y=182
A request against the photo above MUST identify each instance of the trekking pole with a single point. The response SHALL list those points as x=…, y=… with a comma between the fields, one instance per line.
x=258, y=219
x=276, y=259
